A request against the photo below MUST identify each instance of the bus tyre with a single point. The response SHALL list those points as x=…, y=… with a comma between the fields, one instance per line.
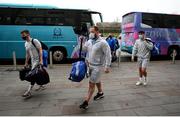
x=58, y=56
x=171, y=52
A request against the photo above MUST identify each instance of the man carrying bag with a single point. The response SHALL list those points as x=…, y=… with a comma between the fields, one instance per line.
x=33, y=51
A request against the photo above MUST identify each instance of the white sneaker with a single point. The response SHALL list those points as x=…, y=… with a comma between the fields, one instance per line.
x=41, y=87
x=27, y=94
x=139, y=83
x=144, y=81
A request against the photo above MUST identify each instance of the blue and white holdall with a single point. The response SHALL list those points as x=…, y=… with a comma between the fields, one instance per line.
x=78, y=71
x=156, y=47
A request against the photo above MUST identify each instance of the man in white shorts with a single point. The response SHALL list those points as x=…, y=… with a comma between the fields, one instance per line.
x=142, y=48
x=98, y=56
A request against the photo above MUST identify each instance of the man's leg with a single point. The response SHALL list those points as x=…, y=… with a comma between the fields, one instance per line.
x=99, y=87
x=90, y=91
x=139, y=82
x=140, y=72
x=28, y=92
x=84, y=105
x=41, y=87
x=144, y=70
x=144, y=76
x=100, y=93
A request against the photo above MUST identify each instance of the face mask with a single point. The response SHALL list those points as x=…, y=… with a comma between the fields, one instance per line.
x=92, y=36
x=140, y=36
x=24, y=38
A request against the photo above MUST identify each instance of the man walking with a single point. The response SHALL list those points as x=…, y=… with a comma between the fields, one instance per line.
x=114, y=45
x=31, y=52
x=98, y=55
x=142, y=48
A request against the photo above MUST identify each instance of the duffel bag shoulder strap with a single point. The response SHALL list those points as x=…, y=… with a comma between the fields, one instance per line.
x=35, y=45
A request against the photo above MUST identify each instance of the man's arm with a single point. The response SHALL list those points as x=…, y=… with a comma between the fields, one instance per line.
x=40, y=55
x=27, y=58
x=39, y=47
x=107, y=51
x=134, y=51
x=85, y=46
x=149, y=45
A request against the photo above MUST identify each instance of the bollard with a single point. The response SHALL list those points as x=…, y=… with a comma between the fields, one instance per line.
x=119, y=57
x=14, y=60
x=174, y=56
x=51, y=61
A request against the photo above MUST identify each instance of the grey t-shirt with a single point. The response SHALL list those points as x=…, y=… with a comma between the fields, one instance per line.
x=32, y=51
x=98, y=52
x=142, y=49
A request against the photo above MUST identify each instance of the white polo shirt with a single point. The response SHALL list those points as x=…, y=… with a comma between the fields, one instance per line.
x=33, y=51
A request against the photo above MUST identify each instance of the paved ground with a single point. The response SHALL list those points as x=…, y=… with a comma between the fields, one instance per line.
x=122, y=97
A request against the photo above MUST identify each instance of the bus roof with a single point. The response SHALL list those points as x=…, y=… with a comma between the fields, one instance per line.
x=26, y=6
x=149, y=13
x=37, y=6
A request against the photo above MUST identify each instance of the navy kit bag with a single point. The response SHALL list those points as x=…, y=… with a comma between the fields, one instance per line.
x=38, y=75
x=156, y=47
x=78, y=71
x=23, y=72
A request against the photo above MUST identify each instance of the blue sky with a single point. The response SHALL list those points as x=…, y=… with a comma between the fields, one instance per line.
x=112, y=10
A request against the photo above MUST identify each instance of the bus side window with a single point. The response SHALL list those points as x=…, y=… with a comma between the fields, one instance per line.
x=20, y=21
x=151, y=20
x=28, y=21
x=178, y=23
x=48, y=21
x=84, y=29
x=57, y=21
x=5, y=20
x=38, y=20
x=171, y=21
x=54, y=21
x=17, y=21
x=1, y=20
x=8, y=20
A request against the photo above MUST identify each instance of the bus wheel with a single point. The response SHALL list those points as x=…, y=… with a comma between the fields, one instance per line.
x=58, y=56
x=171, y=52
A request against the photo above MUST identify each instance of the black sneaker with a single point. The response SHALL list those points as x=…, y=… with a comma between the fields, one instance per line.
x=99, y=96
x=84, y=105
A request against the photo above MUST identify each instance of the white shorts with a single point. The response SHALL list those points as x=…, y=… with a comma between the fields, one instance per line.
x=143, y=63
x=95, y=73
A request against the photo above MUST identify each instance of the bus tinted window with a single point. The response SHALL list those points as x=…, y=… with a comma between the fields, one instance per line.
x=1, y=19
x=171, y=21
x=20, y=20
x=161, y=20
x=151, y=20
x=5, y=20
x=55, y=17
x=29, y=16
x=54, y=21
x=86, y=17
x=72, y=18
x=128, y=19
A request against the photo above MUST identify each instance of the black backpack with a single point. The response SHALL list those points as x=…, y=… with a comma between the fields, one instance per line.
x=44, y=46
